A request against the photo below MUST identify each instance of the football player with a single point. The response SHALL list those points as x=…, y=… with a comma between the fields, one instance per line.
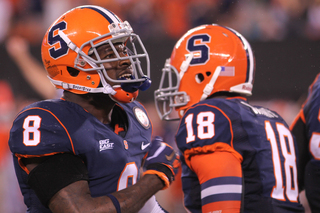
x=235, y=157
x=83, y=152
x=306, y=129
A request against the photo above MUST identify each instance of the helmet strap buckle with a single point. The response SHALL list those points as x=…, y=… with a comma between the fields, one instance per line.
x=65, y=85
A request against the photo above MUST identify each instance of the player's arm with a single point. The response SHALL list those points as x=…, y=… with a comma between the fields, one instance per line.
x=220, y=177
x=298, y=129
x=61, y=183
x=76, y=197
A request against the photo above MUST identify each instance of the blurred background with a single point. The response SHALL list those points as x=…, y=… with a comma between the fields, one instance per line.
x=284, y=35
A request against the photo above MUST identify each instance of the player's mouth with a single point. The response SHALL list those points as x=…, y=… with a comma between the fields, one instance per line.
x=126, y=76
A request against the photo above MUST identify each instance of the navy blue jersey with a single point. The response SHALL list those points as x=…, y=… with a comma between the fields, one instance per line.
x=259, y=137
x=57, y=126
x=306, y=128
x=311, y=111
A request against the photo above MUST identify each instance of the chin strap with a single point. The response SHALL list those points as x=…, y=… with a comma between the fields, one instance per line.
x=134, y=86
x=209, y=87
x=122, y=96
x=185, y=64
x=107, y=89
x=128, y=92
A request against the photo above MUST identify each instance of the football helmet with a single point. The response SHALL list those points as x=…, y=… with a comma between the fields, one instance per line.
x=70, y=56
x=206, y=60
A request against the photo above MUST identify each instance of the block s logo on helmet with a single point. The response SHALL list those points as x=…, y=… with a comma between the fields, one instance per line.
x=193, y=45
x=54, y=38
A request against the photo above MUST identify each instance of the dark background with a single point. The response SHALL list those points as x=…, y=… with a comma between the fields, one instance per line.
x=284, y=70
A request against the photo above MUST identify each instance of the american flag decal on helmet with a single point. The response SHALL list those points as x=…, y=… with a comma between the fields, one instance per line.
x=227, y=71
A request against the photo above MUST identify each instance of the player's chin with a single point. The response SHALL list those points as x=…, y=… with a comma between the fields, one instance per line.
x=100, y=100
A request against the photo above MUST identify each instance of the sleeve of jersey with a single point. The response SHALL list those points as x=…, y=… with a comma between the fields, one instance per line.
x=298, y=129
x=220, y=178
x=205, y=129
x=39, y=132
x=205, y=137
x=191, y=188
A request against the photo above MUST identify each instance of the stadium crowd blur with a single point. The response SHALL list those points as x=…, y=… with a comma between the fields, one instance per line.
x=26, y=21
x=256, y=19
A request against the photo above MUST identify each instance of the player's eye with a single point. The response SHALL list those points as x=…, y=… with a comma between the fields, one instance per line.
x=109, y=55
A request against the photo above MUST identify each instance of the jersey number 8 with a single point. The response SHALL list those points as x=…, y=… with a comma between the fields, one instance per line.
x=31, y=132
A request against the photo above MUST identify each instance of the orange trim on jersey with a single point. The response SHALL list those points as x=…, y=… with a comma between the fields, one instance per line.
x=145, y=156
x=57, y=120
x=223, y=206
x=119, y=106
x=20, y=156
x=216, y=147
x=301, y=116
x=310, y=89
x=216, y=164
x=161, y=175
x=118, y=129
x=237, y=97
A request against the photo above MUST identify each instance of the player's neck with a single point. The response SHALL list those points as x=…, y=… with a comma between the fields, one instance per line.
x=225, y=95
x=99, y=106
x=104, y=116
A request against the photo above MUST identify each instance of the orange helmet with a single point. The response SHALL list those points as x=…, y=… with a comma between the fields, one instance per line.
x=70, y=43
x=205, y=60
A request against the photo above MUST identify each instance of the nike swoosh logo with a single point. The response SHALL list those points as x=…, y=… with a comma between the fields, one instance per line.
x=169, y=158
x=144, y=146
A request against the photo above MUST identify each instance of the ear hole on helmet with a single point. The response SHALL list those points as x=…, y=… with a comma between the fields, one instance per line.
x=199, y=78
x=73, y=72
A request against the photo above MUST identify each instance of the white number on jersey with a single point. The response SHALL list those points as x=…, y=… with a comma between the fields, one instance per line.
x=130, y=172
x=290, y=168
x=205, y=126
x=31, y=132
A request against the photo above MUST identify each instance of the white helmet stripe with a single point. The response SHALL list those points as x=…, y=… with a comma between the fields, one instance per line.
x=111, y=17
x=250, y=58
